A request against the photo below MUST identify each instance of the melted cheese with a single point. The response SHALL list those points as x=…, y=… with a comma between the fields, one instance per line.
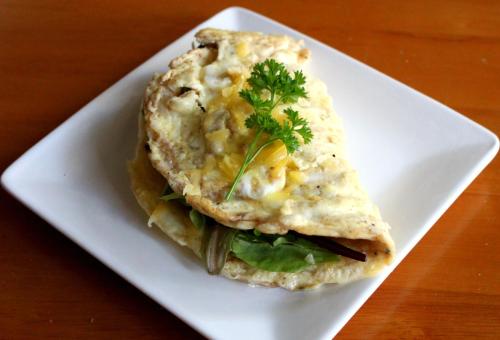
x=230, y=165
x=242, y=49
x=217, y=140
x=256, y=183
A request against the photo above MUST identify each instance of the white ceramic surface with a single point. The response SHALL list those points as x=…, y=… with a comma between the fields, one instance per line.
x=414, y=155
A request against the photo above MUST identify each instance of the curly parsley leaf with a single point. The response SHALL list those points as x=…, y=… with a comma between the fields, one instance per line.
x=271, y=84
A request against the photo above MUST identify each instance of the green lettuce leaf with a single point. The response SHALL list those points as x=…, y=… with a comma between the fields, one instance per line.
x=170, y=195
x=275, y=253
x=198, y=220
x=278, y=253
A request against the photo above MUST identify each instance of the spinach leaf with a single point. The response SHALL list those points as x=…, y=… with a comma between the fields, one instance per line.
x=170, y=195
x=278, y=253
x=199, y=220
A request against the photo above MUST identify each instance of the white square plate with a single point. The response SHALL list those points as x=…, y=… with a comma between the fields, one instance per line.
x=414, y=155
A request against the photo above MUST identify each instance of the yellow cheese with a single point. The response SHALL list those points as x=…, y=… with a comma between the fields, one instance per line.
x=231, y=100
x=217, y=135
x=193, y=187
x=276, y=199
x=242, y=49
x=230, y=165
x=210, y=164
x=227, y=92
x=295, y=177
x=278, y=114
x=278, y=169
x=218, y=140
x=273, y=155
x=239, y=113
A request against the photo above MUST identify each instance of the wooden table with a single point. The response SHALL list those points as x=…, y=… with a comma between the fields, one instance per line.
x=55, y=56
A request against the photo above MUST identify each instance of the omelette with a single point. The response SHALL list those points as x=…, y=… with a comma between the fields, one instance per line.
x=295, y=217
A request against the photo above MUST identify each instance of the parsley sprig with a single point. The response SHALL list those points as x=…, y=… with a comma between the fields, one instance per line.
x=270, y=85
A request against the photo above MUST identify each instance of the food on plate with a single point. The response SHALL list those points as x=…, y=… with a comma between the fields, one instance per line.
x=241, y=158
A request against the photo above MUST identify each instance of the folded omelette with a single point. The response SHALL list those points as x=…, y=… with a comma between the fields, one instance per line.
x=297, y=217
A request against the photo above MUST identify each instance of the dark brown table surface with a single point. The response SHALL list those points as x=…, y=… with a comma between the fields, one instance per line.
x=55, y=56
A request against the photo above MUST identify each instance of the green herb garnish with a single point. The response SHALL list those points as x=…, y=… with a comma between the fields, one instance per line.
x=270, y=85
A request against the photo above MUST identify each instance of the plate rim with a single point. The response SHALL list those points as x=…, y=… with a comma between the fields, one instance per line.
x=8, y=179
